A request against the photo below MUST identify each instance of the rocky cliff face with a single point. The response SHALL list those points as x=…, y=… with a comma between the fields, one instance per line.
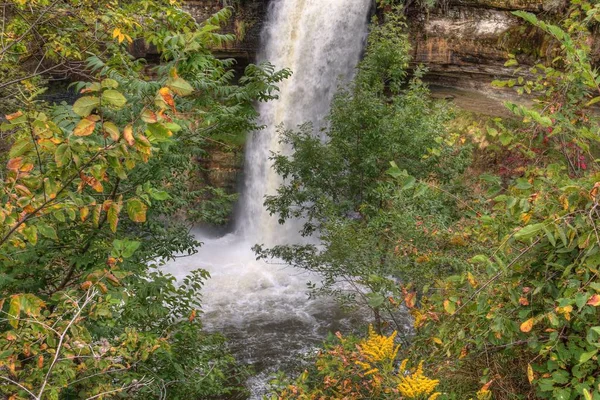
x=465, y=43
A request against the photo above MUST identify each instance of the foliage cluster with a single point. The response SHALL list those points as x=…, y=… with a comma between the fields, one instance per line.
x=352, y=368
x=501, y=281
x=91, y=194
x=533, y=296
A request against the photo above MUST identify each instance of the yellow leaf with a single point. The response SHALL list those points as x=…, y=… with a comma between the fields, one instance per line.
x=85, y=127
x=471, y=279
x=167, y=96
x=111, y=130
x=117, y=34
x=83, y=213
x=128, y=135
x=527, y=325
x=530, y=375
x=449, y=306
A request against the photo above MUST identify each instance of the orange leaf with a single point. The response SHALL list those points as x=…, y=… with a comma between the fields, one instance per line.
x=192, y=315
x=166, y=95
x=128, y=135
x=10, y=117
x=594, y=301
x=410, y=299
x=15, y=164
x=527, y=326
x=523, y=301
x=149, y=116
x=85, y=127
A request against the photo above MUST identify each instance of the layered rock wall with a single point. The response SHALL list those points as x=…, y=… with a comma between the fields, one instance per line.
x=463, y=43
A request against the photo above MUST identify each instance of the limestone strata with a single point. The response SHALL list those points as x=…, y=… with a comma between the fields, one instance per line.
x=462, y=46
x=221, y=168
x=462, y=42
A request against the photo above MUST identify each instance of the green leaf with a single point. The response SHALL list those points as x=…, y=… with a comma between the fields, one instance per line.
x=47, y=231
x=528, y=232
x=19, y=148
x=505, y=138
x=14, y=311
x=158, y=132
x=109, y=83
x=375, y=300
x=408, y=183
x=159, y=195
x=587, y=356
x=114, y=98
x=581, y=299
x=62, y=155
x=130, y=247
x=85, y=105
x=394, y=171
x=523, y=184
x=30, y=234
x=550, y=236
x=180, y=86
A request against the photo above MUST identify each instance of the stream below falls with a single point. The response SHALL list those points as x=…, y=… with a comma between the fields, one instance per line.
x=262, y=308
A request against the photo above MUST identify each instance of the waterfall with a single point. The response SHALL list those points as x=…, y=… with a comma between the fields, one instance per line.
x=321, y=42
x=261, y=307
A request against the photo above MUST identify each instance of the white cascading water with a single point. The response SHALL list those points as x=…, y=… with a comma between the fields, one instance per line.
x=321, y=42
x=263, y=307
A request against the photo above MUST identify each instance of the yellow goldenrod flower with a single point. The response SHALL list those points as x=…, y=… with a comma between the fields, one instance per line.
x=416, y=384
x=377, y=348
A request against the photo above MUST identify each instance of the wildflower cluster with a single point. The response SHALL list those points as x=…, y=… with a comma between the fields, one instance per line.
x=377, y=351
x=357, y=369
x=415, y=385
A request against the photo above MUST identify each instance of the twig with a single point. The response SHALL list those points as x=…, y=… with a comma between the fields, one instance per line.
x=493, y=278
x=19, y=385
x=90, y=295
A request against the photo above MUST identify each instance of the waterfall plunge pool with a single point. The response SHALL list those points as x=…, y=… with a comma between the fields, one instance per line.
x=262, y=308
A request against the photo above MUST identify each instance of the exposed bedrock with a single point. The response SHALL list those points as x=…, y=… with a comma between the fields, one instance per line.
x=463, y=43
